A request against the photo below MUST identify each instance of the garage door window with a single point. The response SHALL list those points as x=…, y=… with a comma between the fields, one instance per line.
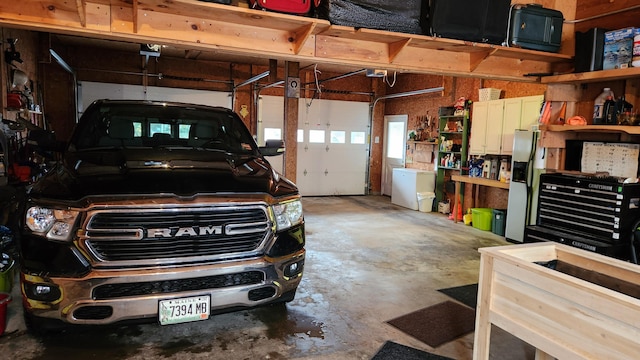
x=300, y=135
x=357, y=137
x=272, y=134
x=316, y=136
x=338, y=137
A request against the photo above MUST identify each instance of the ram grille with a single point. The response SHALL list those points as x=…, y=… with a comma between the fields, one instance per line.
x=147, y=234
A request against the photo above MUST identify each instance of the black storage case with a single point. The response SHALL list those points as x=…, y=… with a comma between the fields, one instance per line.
x=589, y=50
x=535, y=27
x=398, y=16
x=471, y=20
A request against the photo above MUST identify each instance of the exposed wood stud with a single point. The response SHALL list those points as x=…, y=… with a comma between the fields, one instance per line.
x=302, y=36
x=476, y=58
x=135, y=16
x=82, y=12
x=396, y=47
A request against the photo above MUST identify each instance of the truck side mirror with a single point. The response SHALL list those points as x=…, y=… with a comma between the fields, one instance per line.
x=273, y=148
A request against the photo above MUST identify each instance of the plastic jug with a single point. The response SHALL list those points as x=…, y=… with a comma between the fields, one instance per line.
x=598, y=107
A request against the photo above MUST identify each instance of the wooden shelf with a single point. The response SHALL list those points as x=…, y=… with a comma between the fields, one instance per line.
x=423, y=142
x=592, y=76
x=238, y=31
x=631, y=130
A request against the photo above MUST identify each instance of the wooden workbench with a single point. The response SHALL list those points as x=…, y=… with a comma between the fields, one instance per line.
x=477, y=182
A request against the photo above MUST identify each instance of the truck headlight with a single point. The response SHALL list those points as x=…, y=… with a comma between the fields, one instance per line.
x=54, y=224
x=288, y=214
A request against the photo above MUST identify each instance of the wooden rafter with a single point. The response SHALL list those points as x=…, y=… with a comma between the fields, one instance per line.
x=203, y=26
x=396, y=47
x=82, y=12
x=302, y=36
x=477, y=57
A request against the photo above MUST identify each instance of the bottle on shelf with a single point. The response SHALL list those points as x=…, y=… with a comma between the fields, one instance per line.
x=598, y=107
x=609, y=111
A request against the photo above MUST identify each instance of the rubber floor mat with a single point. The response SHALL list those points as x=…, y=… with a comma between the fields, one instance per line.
x=466, y=294
x=437, y=324
x=394, y=351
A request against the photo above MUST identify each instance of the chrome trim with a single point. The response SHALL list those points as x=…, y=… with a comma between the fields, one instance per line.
x=76, y=292
x=92, y=233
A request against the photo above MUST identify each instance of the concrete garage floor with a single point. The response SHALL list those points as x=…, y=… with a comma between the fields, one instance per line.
x=368, y=261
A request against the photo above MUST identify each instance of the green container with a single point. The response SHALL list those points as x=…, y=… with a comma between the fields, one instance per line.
x=6, y=277
x=499, y=221
x=481, y=218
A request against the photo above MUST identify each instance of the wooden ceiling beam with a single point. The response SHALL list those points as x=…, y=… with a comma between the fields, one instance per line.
x=203, y=26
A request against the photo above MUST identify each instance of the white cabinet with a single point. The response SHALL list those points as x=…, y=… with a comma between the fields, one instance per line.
x=407, y=183
x=478, y=128
x=486, y=125
x=494, y=123
x=519, y=113
x=493, y=138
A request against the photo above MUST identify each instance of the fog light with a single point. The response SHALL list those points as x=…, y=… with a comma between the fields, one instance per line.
x=42, y=292
x=42, y=289
x=293, y=269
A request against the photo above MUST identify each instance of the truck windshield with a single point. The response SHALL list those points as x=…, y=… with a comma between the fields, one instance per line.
x=145, y=125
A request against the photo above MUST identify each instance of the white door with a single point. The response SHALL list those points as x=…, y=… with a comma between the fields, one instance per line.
x=332, y=147
x=395, y=144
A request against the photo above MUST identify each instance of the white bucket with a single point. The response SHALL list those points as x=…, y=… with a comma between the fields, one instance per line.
x=425, y=201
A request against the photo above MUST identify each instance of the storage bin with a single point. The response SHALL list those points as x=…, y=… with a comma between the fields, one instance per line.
x=487, y=94
x=498, y=223
x=481, y=218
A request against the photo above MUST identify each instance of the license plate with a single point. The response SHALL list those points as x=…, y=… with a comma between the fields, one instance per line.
x=183, y=310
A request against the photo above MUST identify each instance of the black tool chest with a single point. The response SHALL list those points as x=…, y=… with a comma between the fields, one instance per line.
x=598, y=214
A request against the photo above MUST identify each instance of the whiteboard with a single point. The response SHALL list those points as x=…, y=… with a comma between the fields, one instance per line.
x=617, y=159
x=89, y=91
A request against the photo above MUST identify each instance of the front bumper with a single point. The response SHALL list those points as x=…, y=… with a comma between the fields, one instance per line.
x=237, y=284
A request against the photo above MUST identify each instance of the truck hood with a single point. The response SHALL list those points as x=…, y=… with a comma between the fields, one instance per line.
x=144, y=172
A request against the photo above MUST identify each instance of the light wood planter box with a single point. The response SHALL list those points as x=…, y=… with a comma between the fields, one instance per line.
x=561, y=315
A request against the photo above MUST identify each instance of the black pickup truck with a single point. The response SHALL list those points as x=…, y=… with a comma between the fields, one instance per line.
x=159, y=211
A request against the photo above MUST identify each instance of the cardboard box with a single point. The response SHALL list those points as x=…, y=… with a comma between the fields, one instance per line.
x=618, y=48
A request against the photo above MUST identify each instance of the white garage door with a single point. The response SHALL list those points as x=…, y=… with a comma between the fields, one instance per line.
x=90, y=91
x=332, y=147
x=332, y=143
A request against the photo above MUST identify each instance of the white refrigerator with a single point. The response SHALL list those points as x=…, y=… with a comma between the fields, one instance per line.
x=526, y=167
x=407, y=183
